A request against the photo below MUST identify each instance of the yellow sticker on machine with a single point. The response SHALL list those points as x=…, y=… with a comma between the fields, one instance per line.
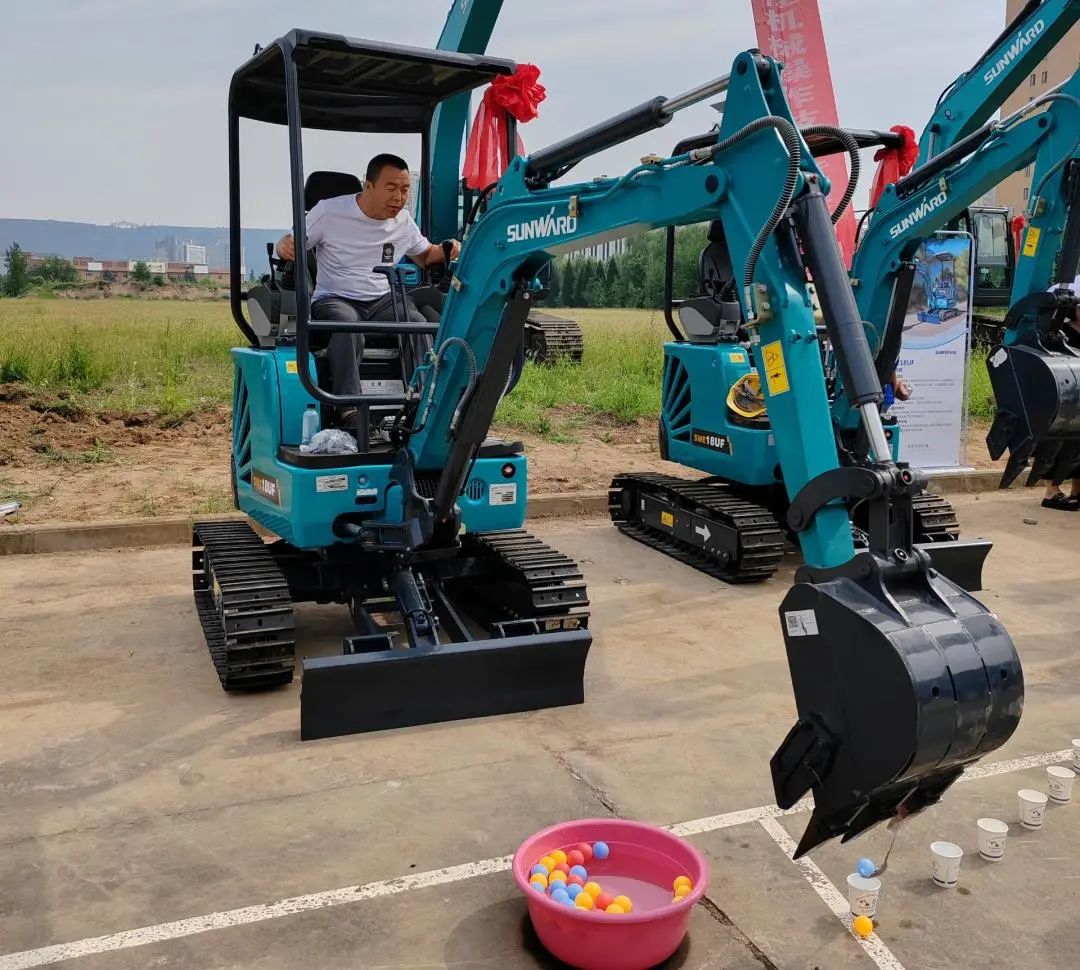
x=667, y=519
x=1031, y=241
x=290, y=367
x=775, y=368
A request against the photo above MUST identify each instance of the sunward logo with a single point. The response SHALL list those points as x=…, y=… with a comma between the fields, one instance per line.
x=549, y=225
x=1014, y=50
x=917, y=215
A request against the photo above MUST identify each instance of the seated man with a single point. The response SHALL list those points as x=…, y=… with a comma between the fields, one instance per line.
x=352, y=234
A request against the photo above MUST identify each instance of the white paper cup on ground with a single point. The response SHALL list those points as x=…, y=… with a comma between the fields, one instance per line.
x=1032, y=808
x=992, y=835
x=1059, y=783
x=945, y=863
x=862, y=895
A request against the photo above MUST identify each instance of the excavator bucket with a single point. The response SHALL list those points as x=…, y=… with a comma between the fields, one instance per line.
x=897, y=689
x=1036, y=382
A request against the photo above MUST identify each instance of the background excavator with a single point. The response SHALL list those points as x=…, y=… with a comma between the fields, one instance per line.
x=732, y=524
x=880, y=645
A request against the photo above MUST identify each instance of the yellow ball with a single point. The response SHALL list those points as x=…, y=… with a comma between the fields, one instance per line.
x=557, y=876
x=584, y=901
x=682, y=890
x=540, y=879
x=863, y=925
x=625, y=903
x=593, y=889
x=614, y=908
x=559, y=856
x=547, y=862
x=683, y=881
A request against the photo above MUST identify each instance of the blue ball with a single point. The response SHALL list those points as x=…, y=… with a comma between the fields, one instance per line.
x=581, y=872
x=574, y=890
x=865, y=868
x=568, y=902
x=600, y=850
x=540, y=889
x=562, y=896
x=538, y=869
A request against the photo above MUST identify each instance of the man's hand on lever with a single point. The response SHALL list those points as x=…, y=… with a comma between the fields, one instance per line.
x=286, y=248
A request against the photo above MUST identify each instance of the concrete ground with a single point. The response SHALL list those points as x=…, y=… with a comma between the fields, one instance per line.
x=136, y=794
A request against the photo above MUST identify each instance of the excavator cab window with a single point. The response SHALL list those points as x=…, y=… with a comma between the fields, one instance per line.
x=994, y=257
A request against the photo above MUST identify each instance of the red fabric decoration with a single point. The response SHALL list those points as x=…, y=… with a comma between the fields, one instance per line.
x=894, y=163
x=487, y=153
x=1017, y=226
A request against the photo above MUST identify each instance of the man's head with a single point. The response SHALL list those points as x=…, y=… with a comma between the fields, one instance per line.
x=386, y=186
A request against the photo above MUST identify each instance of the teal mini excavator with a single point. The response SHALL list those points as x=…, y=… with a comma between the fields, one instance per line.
x=880, y=645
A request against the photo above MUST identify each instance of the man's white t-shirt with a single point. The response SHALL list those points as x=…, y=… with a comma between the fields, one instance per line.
x=348, y=244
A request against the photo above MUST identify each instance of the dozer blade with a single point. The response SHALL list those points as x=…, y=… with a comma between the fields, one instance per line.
x=960, y=560
x=1037, y=392
x=388, y=688
x=896, y=692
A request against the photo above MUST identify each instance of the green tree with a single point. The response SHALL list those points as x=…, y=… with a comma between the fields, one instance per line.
x=612, y=282
x=158, y=280
x=141, y=273
x=17, y=280
x=56, y=269
x=554, y=285
x=582, y=288
x=569, y=283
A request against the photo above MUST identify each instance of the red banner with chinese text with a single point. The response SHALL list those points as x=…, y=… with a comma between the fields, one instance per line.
x=790, y=31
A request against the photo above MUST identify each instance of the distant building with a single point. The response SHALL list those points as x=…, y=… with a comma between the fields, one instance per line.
x=601, y=251
x=217, y=254
x=193, y=253
x=1059, y=65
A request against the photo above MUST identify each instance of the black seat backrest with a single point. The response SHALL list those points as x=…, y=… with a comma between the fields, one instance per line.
x=714, y=266
x=329, y=185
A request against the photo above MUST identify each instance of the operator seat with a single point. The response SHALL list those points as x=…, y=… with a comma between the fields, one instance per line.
x=715, y=316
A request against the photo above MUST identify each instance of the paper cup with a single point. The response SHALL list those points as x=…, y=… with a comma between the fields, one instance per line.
x=862, y=895
x=992, y=836
x=1059, y=783
x=945, y=864
x=1032, y=808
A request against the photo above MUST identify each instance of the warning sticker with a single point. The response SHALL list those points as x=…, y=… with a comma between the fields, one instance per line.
x=331, y=483
x=667, y=519
x=775, y=368
x=999, y=357
x=503, y=494
x=737, y=357
x=1031, y=240
x=801, y=623
x=290, y=367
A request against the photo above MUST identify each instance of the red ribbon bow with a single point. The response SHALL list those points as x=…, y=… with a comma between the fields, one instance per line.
x=894, y=163
x=487, y=154
x=1017, y=228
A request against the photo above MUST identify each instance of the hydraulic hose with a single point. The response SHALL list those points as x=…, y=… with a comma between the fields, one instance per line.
x=852, y=146
x=793, y=143
x=429, y=397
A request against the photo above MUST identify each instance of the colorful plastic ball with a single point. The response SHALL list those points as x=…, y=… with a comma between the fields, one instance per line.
x=548, y=863
x=625, y=903
x=575, y=858
x=539, y=870
x=586, y=851
x=614, y=909
x=537, y=886
x=575, y=880
x=593, y=889
x=682, y=890
x=563, y=868
x=865, y=868
x=539, y=879
x=603, y=901
x=584, y=901
x=580, y=872
x=559, y=856
x=568, y=902
x=557, y=876
x=683, y=881
x=560, y=896
x=863, y=925
x=574, y=890
x=601, y=850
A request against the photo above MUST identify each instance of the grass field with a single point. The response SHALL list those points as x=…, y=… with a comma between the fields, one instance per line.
x=173, y=358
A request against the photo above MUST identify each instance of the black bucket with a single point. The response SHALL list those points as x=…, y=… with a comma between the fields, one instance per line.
x=896, y=692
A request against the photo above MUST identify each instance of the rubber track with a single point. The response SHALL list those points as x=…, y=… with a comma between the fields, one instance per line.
x=761, y=541
x=556, y=586
x=249, y=629
x=557, y=338
x=935, y=519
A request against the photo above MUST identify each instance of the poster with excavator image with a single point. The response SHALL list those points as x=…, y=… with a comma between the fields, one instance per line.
x=934, y=355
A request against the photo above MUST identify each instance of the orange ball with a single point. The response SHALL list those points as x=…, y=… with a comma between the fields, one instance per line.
x=575, y=858
x=586, y=851
x=594, y=890
x=563, y=868
x=575, y=881
x=558, y=855
x=603, y=901
x=584, y=901
x=683, y=881
x=614, y=909
x=625, y=903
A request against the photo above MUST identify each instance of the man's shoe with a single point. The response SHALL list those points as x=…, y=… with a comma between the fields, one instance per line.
x=1061, y=502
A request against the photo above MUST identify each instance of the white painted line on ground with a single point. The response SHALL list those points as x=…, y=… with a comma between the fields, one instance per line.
x=834, y=899
x=163, y=932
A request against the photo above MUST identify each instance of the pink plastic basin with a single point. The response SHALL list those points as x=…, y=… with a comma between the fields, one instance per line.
x=643, y=864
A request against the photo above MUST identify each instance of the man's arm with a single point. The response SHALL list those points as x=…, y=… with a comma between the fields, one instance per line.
x=434, y=253
x=313, y=224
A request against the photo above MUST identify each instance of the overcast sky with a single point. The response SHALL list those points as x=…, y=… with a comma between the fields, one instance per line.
x=115, y=109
